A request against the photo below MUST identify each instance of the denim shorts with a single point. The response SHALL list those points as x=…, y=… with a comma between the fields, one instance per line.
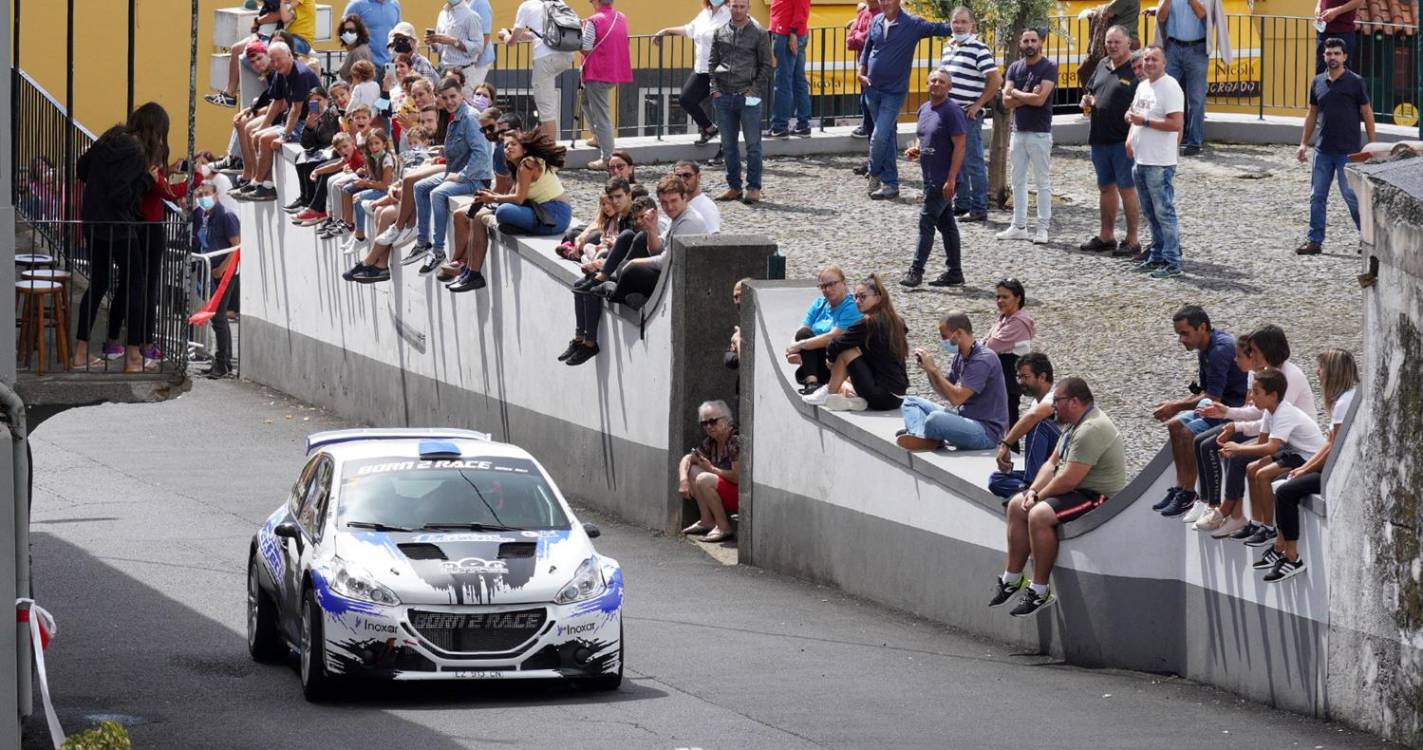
x=1113, y=165
x=1196, y=424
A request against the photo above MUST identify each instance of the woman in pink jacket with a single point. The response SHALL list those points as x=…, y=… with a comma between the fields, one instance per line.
x=1011, y=337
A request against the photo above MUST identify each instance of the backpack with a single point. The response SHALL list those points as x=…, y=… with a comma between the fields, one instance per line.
x=563, y=29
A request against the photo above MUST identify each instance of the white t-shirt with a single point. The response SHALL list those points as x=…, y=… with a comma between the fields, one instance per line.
x=1296, y=431
x=1156, y=148
x=531, y=16
x=1297, y=392
x=1341, y=407
x=367, y=93
x=711, y=215
x=701, y=30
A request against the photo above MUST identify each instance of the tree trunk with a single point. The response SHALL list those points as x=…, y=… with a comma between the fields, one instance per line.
x=999, y=190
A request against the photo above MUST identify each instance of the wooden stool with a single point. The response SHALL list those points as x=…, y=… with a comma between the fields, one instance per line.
x=46, y=274
x=34, y=260
x=37, y=316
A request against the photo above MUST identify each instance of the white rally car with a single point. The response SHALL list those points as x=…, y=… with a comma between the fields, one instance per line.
x=431, y=554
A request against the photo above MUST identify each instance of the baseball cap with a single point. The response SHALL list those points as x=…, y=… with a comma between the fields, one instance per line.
x=404, y=28
x=255, y=48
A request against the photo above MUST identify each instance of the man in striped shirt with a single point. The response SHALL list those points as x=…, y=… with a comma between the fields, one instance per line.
x=975, y=80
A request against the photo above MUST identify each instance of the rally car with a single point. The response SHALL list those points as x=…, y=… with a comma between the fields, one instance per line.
x=431, y=554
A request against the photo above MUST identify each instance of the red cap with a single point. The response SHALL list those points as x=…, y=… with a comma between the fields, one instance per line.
x=255, y=48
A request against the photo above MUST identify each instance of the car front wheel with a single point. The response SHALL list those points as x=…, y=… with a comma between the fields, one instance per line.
x=264, y=643
x=316, y=683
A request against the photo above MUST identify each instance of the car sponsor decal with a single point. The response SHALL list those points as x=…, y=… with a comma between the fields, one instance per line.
x=577, y=629
x=270, y=549
x=609, y=602
x=333, y=603
x=475, y=565
x=443, y=463
x=462, y=537
x=477, y=620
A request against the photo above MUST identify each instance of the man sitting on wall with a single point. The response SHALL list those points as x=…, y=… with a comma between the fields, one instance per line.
x=1088, y=466
x=974, y=388
x=1041, y=431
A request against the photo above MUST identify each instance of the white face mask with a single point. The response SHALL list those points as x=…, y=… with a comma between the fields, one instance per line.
x=206, y=202
x=964, y=37
x=349, y=37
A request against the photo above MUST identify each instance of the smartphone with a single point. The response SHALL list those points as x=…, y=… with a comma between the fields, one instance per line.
x=919, y=358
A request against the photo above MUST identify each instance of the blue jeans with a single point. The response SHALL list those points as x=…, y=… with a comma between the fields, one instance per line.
x=1328, y=168
x=884, y=146
x=971, y=188
x=867, y=120
x=434, y=191
x=735, y=117
x=937, y=214
x=926, y=419
x=792, y=95
x=1158, y=205
x=359, y=213
x=1037, y=446
x=521, y=218
x=1187, y=63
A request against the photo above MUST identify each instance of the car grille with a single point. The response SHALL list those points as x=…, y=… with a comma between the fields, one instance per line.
x=478, y=632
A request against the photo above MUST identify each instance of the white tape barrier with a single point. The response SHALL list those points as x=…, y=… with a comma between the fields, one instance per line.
x=34, y=616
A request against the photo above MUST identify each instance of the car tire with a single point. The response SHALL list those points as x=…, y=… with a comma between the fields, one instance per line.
x=316, y=683
x=610, y=682
x=264, y=642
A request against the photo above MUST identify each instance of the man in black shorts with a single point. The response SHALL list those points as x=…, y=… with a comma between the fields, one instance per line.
x=1087, y=466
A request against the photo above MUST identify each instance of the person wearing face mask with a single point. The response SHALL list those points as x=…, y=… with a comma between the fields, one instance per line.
x=605, y=65
x=401, y=41
x=356, y=41
x=459, y=38
x=381, y=18
x=974, y=387
x=217, y=228
x=974, y=82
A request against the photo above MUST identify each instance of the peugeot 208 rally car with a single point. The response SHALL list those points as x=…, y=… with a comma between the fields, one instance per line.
x=431, y=554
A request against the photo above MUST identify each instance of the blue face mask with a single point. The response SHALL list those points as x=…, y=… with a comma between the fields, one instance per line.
x=717, y=3
x=949, y=346
x=206, y=202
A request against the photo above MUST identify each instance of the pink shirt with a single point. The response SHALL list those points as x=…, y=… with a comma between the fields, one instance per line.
x=609, y=61
x=1008, y=331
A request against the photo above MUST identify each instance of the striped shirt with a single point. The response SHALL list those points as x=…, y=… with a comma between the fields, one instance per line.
x=968, y=64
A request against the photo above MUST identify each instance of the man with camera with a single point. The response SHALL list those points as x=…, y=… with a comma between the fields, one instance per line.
x=974, y=386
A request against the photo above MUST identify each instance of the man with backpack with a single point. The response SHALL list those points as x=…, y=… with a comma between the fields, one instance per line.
x=556, y=33
x=605, y=65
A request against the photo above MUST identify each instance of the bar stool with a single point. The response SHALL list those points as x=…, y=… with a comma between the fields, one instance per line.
x=34, y=260
x=37, y=316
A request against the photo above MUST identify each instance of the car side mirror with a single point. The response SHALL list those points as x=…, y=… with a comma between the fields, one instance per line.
x=287, y=530
x=592, y=531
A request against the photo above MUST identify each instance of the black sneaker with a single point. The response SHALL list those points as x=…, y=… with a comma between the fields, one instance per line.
x=1097, y=245
x=1184, y=500
x=1191, y=150
x=1126, y=249
x=803, y=130
x=1285, y=568
x=960, y=213
x=778, y=133
x=416, y=253
x=350, y=275
x=584, y=353
x=221, y=99
x=1032, y=603
x=861, y=170
x=573, y=346
x=606, y=290
x=218, y=373
x=976, y=217
x=294, y=207
x=262, y=193
x=436, y=260
x=371, y=275
x=859, y=132
x=467, y=282
x=1268, y=560
x=1168, y=500
x=947, y=279
x=912, y=279
x=1262, y=537
x=1246, y=533
x=1002, y=592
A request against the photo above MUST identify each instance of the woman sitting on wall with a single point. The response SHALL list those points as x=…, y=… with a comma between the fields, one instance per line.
x=831, y=314
x=709, y=474
x=867, y=361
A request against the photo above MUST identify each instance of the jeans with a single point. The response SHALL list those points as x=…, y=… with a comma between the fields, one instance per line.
x=926, y=419
x=1328, y=168
x=971, y=188
x=867, y=119
x=737, y=118
x=435, y=192
x=1158, y=204
x=792, y=94
x=1033, y=150
x=1037, y=446
x=221, y=329
x=1188, y=63
x=600, y=120
x=358, y=212
x=884, y=146
x=522, y=218
x=937, y=214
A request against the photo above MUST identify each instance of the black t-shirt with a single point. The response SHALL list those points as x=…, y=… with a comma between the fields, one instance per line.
x=875, y=351
x=1339, y=119
x=1113, y=91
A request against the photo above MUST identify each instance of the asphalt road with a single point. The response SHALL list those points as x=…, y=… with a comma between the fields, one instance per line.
x=142, y=517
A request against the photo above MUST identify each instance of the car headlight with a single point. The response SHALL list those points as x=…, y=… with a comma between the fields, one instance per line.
x=587, y=583
x=354, y=582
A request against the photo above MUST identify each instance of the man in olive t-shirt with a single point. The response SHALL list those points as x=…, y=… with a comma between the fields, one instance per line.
x=1088, y=465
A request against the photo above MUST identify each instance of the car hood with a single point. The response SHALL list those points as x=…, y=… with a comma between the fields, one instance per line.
x=514, y=567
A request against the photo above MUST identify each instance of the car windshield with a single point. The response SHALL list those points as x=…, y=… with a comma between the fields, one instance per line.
x=489, y=494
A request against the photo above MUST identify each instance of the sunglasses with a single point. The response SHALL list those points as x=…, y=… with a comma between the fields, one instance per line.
x=710, y=422
x=827, y=284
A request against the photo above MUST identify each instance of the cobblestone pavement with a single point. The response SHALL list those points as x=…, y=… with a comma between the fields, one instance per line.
x=1242, y=211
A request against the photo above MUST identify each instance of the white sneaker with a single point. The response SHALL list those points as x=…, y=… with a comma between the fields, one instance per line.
x=388, y=236
x=1013, y=233
x=1040, y=238
x=817, y=398
x=1230, y=526
x=403, y=236
x=490, y=222
x=1211, y=521
x=1194, y=514
x=836, y=402
x=348, y=247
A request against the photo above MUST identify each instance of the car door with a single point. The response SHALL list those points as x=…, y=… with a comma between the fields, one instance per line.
x=312, y=516
x=291, y=554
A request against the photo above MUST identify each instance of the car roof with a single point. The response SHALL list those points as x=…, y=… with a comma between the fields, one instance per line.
x=355, y=445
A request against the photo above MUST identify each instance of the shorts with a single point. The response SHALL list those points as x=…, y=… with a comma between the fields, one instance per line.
x=1071, y=506
x=1287, y=458
x=1113, y=165
x=1196, y=424
x=546, y=71
x=730, y=494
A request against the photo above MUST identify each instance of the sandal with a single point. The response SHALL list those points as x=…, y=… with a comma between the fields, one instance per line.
x=717, y=535
x=697, y=529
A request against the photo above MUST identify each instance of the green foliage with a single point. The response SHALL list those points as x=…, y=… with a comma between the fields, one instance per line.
x=109, y=735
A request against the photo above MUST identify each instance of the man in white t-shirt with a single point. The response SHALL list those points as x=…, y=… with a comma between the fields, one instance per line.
x=548, y=62
x=691, y=174
x=1157, y=114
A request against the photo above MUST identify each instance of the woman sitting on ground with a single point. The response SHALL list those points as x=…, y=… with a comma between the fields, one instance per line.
x=867, y=361
x=538, y=206
x=710, y=473
x=831, y=314
x=1010, y=338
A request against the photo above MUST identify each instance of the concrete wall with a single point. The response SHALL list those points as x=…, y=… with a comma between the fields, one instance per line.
x=1376, y=612
x=831, y=498
x=408, y=352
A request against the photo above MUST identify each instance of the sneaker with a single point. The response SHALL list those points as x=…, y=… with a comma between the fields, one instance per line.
x=947, y=278
x=860, y=132
x=152, y=353
x=1263, y=536
x=1149, y=266
x=1141, y=256
x=307, y=215
x=1191, y=149
x=1167, y=501
x=960, y=213
x=585, y=284
x=387, y=237
x=348, y=247
x=350, y=275
x=317, y=219
x=449, y=271
x=416, y=253
x=912, y=279
x=1126, y=250
x=885, y=194
x=1002, y=592
x=777, y=133
x=1166, y=272
x=584, y=353
x=371, y=275
x=1032, y=602
x=1211, y=521
x=1309, y=248
x=818, y=396
x=1097, y=245
x=1285, y=568
x=403, y=236
x=606, y=290
x=1184, y=500
x=1041, y=237
x=221, y=99
x=861, y=170
x=113, y=351
x=573, y=347
x=836, y=402
x=436, y=259
x=802, y=130
x=1013, y=233
x=1246, y=531
x=262, y=193
x=469, y=281
x=1197, y=510
x=1268, y=560
x=294, y=207
x=1229, y=527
